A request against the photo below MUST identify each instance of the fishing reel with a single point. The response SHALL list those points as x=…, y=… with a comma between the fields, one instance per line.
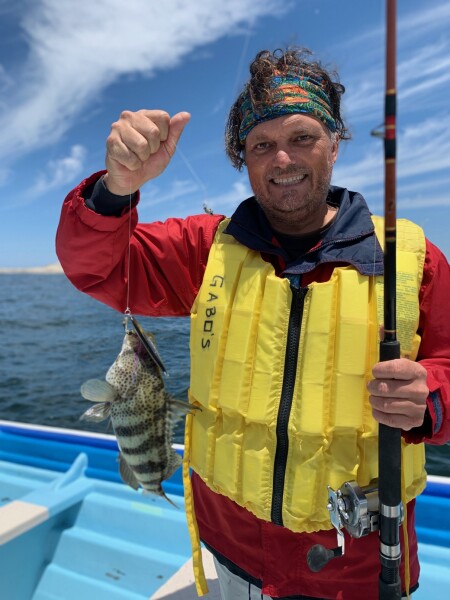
x=353, y=508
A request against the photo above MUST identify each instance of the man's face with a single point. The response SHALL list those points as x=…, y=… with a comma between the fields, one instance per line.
x=290, y=161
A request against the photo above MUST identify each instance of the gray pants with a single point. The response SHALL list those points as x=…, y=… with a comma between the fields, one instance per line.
x=233, y=587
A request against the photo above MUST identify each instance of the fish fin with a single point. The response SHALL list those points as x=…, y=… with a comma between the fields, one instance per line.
x=181, y=406
x=168, y=499
x=97, y=413
x=96, y=390
x=147, y=342
x=173, y=463
x=159, y=492
x=126, y=473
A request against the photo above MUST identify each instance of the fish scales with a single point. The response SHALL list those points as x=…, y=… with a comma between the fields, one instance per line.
x=142, y=414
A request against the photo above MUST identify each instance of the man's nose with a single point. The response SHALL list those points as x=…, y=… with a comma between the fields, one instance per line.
x=282, y=159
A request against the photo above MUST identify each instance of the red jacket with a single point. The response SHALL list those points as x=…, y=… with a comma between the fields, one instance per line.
x=166, y=270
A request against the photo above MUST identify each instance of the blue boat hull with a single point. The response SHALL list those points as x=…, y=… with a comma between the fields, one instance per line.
x=69, y=528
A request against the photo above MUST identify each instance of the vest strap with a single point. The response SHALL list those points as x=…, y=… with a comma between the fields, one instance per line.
x=197, y=560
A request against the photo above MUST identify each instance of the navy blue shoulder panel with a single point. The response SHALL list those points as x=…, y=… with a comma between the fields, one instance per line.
x=350, y=240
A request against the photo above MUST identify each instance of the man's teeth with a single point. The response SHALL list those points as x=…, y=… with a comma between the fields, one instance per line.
x=288, y=180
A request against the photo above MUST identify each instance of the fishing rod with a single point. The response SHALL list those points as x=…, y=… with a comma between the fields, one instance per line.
x=389, y=440
x=378, y=506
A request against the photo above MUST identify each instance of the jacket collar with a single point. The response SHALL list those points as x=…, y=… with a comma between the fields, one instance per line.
x=350, y=240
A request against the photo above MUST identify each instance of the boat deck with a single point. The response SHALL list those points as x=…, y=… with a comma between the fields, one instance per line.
x=181, y=585
x=69, y=530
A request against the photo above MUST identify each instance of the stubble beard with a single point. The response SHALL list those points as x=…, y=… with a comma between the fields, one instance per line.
x=289, y=211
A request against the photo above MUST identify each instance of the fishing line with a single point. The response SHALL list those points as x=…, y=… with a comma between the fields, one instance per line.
x=235, y=90
x=184, y=158
x=240, y=66
x=128, y=310
x=197, y=179
x=193, y=173
x=145, y=340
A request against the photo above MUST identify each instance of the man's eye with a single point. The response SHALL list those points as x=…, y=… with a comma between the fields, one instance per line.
x=261, y=146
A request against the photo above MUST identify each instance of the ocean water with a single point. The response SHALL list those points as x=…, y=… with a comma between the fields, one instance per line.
x=53, y=338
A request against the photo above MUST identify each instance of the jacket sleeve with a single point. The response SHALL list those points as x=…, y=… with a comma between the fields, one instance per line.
x=166, y=260
x=434, y=351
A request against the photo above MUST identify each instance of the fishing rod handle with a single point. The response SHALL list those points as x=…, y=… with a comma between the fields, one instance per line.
x=389, y=349
x=389, y=591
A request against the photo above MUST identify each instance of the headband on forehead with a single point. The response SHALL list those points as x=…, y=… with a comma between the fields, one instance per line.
x=291, y=92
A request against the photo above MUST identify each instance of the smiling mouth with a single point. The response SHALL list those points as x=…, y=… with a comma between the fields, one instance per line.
x=292, y=180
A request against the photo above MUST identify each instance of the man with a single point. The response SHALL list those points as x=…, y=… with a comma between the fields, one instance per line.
x=284, y=300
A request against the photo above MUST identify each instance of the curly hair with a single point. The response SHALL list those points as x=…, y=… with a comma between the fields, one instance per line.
x=258, y=88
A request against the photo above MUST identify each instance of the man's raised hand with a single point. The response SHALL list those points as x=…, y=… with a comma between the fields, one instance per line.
x=139, y=148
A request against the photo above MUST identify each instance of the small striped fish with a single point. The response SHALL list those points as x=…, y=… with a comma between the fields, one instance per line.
x=142, y=415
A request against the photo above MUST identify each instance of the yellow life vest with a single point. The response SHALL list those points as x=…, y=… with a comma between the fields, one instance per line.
x=239, y=333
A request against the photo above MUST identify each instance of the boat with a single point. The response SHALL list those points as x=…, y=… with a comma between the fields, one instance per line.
x=70, y=529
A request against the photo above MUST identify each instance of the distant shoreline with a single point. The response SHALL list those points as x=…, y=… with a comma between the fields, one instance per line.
x=53, y=269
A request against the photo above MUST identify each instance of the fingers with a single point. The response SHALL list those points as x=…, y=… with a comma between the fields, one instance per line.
x=177, y=124
x=391, y=388
x=399, y=368
x=405, y=412
x=137, y=136
x=400, y=415
x=398, y=394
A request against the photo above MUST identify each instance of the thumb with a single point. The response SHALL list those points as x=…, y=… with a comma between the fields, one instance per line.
x=177, y=123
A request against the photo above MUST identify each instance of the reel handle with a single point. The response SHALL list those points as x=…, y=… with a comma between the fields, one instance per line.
x=318, y=556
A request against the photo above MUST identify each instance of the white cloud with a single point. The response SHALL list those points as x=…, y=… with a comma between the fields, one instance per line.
x=156, y=196
x=423, y=149
x=225, y=203
x=363, y=173
x=423, y=201
x=60, y=172
x=5, y=174
x=423, y=66
x=428, y=21
x=218, y=106
x=6, y=81
x=78, y=48
x=186, y=197
x=411, y=186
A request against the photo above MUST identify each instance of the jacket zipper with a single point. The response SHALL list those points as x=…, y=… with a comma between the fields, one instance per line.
x=287, y=393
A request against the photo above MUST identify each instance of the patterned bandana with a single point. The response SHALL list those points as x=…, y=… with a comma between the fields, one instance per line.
x=293, y=92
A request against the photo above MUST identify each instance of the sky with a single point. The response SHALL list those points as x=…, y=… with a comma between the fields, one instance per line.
x=69, y=67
